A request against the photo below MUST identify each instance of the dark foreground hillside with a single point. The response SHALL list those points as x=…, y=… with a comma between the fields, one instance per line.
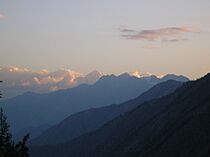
x=177, y=125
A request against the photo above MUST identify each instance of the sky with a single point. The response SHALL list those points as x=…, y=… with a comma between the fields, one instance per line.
x=112, y=36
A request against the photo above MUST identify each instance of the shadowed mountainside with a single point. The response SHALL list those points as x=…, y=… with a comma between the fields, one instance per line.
x=91, y=119
x=53, y=107
x=174, y=125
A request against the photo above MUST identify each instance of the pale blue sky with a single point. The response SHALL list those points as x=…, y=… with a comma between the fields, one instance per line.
x=85, y=34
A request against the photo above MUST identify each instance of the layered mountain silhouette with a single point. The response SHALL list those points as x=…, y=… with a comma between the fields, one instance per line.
x=175, y=125
x=34, y=132
x=53, y=107
x=91, y=119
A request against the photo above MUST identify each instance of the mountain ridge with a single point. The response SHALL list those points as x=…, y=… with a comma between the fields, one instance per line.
x=91, y=119
x=50, y=108
x=168, y=126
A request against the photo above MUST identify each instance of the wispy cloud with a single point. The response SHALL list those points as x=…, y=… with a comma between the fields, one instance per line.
x=125, y=30
x=167, y=34
x=174, y=40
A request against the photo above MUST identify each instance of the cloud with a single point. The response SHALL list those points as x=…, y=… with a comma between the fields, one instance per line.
x=22, y=80
x=139, y=74
x=174, y=40
x=125, y=30
x=169, y=34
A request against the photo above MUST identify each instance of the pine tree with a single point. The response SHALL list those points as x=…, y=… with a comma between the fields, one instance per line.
x=21, y=148
x=8, y=148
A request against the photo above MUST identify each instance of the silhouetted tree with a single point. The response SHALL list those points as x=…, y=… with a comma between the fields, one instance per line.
x=8, y=148
x=0, y=91
x=21, y=148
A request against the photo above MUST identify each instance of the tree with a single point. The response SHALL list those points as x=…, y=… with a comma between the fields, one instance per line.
x=0, y=91
x=21, y=148
x=8, y=148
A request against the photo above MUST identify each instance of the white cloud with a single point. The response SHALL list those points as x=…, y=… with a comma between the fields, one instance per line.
x=140, y=74
x=22, y=79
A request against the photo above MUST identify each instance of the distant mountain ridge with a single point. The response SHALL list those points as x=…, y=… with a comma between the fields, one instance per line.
x=50, y=108
x=20, y=80
x=174, y=125
x=91, y=119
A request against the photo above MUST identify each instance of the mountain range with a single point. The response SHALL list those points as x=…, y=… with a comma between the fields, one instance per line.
x=20, y=80
x=51, y=108
x=91, y=119
x=173, y=125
